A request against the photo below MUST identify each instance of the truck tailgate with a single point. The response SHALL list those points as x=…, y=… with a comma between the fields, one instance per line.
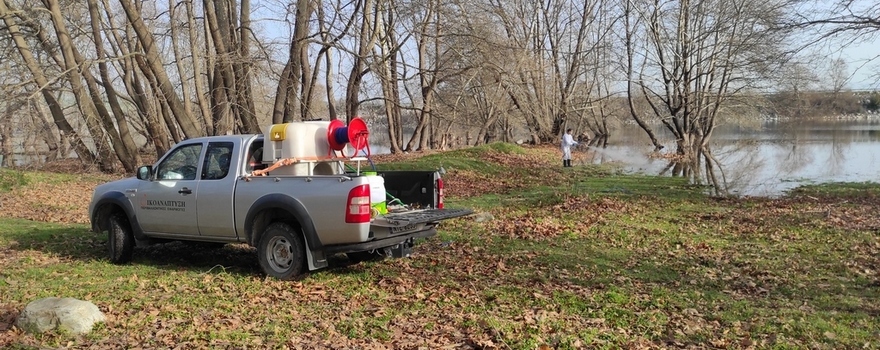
x=420, y=216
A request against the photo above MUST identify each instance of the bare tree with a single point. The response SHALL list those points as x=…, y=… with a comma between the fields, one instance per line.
x=179, y=60
x=130, y=74
x=83, y=94
x=326, y=53
x=795, y=82
x=838, y=76
x=695, y=61
x=199, y=82
x=154, y=63
x=368, y=34
x=9, y=109
x=42, y=84
x=231, y=87
x=487, y=68
x=139, y=94
x=633, y=21
x=122, y=139
x=854, y=20
x=290, y=93
x=570, y=67
x=428, y=45
x=387, y=71
x=243, y=86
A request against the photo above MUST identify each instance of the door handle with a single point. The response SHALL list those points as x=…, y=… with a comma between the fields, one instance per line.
x=185, y=191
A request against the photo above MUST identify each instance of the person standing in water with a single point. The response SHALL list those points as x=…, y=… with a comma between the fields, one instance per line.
x=567, y=142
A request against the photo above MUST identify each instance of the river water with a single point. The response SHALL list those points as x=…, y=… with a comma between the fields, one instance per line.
x=758, y=158
x=766, y=158
x=763, y=158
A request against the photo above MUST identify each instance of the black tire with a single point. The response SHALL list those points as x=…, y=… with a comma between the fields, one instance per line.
x=358, y=257
x=281, y=252
x=120, y=243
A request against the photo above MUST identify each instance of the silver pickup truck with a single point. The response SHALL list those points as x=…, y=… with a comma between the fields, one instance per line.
x=202, y=191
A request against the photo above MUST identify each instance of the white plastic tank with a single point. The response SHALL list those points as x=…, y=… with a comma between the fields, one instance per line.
x=306, y=141
x=377, y=192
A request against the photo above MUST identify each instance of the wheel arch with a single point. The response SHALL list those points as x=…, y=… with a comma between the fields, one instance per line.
x=279, y=208
x=109, y=204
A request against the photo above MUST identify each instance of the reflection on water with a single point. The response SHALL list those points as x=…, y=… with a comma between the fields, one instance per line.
x=764, y=160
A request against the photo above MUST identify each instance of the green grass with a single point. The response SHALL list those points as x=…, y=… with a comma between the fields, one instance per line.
x=10, y=179
x=598, y=260
x=467, y=159
x=859, y=189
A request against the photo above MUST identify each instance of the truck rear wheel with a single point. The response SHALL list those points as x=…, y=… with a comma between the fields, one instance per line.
x=281, y=251
x=120, y=243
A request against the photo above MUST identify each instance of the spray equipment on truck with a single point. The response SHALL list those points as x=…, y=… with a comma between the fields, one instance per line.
x=313, y=147
x=356, y=134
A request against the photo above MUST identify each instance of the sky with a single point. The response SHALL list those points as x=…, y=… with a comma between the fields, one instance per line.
x=864, y=64
x=862, y=53
x=862, y=58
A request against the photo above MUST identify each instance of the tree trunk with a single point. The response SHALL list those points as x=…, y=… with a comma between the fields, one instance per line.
x=6, y=129
x=198, y=79
x=126, y=149
x=289, y=97
x=178, y=57
x=80, y=148
x=630, y=71
x=48, y=135
x=281, y=94
x=428, y=77
x=160, y=106
x=187, y=123
x=147, y=109
x=387, y=71
x=328, y=83
x=74, y=75
x=222, y=84
x=366, y=40
x=6, y=141
x=243, y=86
x=491, y=119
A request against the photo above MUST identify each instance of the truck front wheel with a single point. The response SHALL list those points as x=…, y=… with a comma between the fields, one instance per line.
x=281, y=252
x=120, y=243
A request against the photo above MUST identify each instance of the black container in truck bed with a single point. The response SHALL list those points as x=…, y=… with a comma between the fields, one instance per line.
x=415, y=188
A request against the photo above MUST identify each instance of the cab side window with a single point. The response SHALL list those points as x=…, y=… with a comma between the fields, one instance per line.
x=255, y=157
x=181, y=164
x=217, y=160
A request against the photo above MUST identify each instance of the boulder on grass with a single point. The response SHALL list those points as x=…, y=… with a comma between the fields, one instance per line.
x=67, y=314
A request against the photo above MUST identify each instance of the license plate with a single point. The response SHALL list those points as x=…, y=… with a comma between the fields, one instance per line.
x=400, y=229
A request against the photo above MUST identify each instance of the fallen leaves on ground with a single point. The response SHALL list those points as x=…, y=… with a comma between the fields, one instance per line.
x=585, y=271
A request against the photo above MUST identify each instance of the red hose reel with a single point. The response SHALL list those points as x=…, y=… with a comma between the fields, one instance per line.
x=356, y=134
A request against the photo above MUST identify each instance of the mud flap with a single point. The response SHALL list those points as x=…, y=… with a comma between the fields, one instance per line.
x=316, y=259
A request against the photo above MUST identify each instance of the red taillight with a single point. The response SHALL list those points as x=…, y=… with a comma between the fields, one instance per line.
x=439, y=193
x=357, y=209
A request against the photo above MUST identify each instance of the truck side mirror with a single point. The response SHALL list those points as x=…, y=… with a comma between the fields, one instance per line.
x=145, y=172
